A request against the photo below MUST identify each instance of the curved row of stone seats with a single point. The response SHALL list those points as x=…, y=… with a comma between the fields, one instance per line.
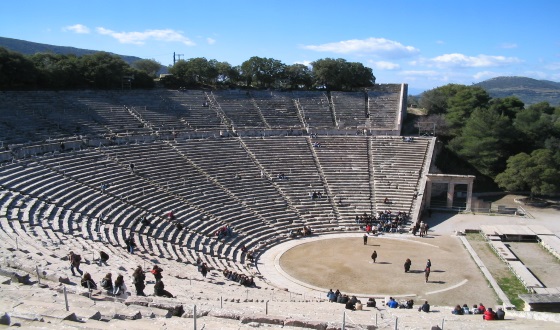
x=293, y=157
x=350, y=109
x=397, y=170
x=176, y=178
x=154, y=110
x=240, y=176
x=277, y=108
x=345, y=165
x=194, y=112
x=239, y=108
x=315, y=108
x=384, y=108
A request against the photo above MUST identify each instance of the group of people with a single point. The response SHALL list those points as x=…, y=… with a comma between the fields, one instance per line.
x=392, y=303
x=487, y=313
x=300, y=232
x=385, y=221
x=239, y=278
x=117, y=287
x=224, y=231
x=338, y=297
x=315, y=195
x=421, y=228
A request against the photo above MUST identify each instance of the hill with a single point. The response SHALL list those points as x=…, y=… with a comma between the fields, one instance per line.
x=30, y=48
x=529, y=90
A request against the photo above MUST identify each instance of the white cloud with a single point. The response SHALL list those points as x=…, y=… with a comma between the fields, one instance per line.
x=306, y=63
x=553, y=66
x=139, y=38
x=210, y=41
x=508, y=45
x=423, y=73
x=483, y=75
x=480, y=61
x=384, y=65
x=378, y=46
x=77, y=28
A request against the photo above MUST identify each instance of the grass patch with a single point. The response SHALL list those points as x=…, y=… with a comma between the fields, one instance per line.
x=507, y=281
x=512, y=287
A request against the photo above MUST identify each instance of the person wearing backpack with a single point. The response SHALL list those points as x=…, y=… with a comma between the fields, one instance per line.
x=75, y=260
x=157, y=273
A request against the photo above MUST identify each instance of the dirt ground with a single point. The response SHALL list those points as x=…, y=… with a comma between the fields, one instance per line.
x=345, y=264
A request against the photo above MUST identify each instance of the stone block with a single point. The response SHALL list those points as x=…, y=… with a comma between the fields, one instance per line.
x=262, y=319
x=306, y=324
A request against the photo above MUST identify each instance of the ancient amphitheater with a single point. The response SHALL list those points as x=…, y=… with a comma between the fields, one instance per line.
x=80, y=169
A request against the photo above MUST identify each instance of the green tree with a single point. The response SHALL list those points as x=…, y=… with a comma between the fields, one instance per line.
x=151, y=67
x=16, y=71
x=341, y=75
x=536, y=124
x=298, y=76
x=485, y=141
x=462, y=104
x=436, y=101
x=103, y=70
x=509, y=106
x=539, y=173
x=262, y=71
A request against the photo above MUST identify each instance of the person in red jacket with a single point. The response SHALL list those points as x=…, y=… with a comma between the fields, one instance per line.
x=489, y=315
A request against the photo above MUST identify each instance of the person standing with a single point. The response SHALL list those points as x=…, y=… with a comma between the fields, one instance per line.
x=138, y=278
x=157, y=273
x=75, y=260
x=130, y=244
x=365, y=239
x=427, y=273
x=374, y=256
x=407, y=265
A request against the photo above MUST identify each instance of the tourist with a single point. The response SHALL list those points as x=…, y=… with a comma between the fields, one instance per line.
x=407, y=265
x=392, y=303
x=103, y=257
x=138, y=279
x=500, y=314
x=374, y=256
x=156, y=271
x=489, y=315
x=425, y=307
x=331, y=296
x=87, y=282
x=119, y=288
x=458, y=310
x=466, y=310
x=427, y=273
x=130, y=244
x=159, y=290
x=75, y=260
x=365, y=239
x=107, y=283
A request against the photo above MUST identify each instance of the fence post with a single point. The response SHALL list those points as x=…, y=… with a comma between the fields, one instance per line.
x=266, y=308
x=38, y=276
x=65, y=298
x=343, y=320
x=396, y=323
x=442, y=323
x=221, y=302
x=194, y=317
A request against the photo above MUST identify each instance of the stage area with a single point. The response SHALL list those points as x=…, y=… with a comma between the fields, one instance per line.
x=343, y=262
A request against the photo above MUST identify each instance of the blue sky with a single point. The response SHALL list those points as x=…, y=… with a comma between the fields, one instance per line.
x=423, y=43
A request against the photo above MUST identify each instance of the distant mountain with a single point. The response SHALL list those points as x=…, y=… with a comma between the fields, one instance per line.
x=30, y=48
x=528, y=90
